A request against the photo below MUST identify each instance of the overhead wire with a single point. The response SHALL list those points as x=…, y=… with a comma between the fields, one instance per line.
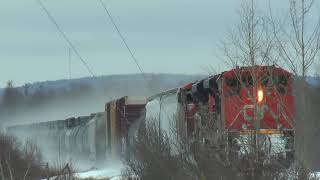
x=69, y=63
x=133, y=57
x=63, y=34
x=81, y=58
x=76, y=51
x=71, y=46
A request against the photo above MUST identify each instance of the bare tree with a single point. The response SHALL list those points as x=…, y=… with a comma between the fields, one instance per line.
x=253, y=44
x=297, y=39
x=19, y=160
x=150, y=156
x=250, y=44
x=298, y=44
x=317, y=71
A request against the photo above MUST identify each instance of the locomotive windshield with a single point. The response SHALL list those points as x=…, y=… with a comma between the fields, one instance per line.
x=247, y=80
x=233, y=86
x=232, y=82
x=278, y=80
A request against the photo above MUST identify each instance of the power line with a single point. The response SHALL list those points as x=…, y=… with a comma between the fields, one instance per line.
x=69, y=63
x=72, y=47
x=125, y=42
x=83, y=61
x=132, y=56
x=148, y=86
x=70, y=44
x=63, y=34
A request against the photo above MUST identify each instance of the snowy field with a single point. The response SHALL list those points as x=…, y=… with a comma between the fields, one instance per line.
x=112, y=173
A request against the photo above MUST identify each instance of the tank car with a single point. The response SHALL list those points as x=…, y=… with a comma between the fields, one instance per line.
x=93, y=138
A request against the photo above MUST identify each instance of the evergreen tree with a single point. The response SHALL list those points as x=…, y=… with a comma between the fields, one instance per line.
x=12, y=98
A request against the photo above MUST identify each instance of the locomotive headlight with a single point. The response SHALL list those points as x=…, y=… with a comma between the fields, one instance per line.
x=260, y=95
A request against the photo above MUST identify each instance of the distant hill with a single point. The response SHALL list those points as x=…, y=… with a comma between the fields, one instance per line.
x=60, y=99
x=102, y=82
x=313, y=80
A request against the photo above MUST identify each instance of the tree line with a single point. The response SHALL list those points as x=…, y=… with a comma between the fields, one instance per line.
x=16, y=98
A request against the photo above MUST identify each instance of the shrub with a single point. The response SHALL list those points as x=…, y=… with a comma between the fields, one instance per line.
x=23, y=161
x=153, y=156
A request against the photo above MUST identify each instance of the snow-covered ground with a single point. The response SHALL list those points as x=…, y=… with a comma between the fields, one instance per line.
x=110, y=172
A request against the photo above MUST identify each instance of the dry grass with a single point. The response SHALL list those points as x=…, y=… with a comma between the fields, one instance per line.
x=95, y=179
x=19, y=161
x=151, y=156
x=23, y=161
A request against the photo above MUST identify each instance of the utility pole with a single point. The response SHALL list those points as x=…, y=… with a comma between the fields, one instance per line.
x=69, y=66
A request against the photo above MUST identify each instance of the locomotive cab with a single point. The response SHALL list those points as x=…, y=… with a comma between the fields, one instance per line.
x=263, y=101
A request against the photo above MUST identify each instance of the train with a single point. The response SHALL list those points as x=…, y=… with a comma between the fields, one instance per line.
x=234, y=103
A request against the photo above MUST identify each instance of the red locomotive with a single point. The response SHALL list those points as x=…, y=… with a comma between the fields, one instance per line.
x=239, y=102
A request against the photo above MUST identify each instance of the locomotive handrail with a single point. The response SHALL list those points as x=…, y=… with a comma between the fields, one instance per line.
x=171, y=91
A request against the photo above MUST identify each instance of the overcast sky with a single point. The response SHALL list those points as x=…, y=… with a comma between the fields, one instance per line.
x=171, y=36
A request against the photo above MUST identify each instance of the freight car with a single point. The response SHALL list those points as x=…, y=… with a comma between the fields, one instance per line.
x=97, y=137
